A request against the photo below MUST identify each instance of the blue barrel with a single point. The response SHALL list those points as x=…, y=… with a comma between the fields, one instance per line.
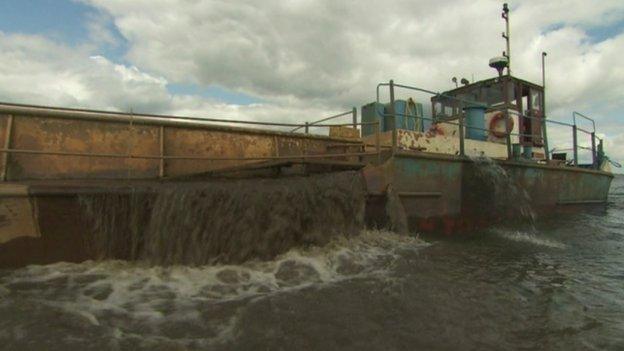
x=528, y=151
x=475, y=122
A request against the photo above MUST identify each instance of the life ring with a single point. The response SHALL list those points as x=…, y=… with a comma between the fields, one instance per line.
x=500, y=116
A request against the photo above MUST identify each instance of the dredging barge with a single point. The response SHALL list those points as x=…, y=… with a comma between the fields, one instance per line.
x=482, y=151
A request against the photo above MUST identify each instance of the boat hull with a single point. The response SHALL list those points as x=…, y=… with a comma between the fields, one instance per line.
x=449, y=194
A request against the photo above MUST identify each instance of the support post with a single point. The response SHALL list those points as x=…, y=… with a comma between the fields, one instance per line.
x=508, y=135
x=354, y=113
x=161, y=166
x=574, y=144
x=393, y=118
x=378, y=141
x=462, y=151
x=307, y=127
x=593, y=149
x=544, y=130
x=7, y=145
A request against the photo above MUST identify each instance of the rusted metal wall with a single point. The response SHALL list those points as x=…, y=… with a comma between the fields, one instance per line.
x=115, y=138
x=449, y=194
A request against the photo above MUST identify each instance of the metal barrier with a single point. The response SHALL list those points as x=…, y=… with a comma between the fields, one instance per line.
x=29, y=111
x=307, y=125
x=507, y=112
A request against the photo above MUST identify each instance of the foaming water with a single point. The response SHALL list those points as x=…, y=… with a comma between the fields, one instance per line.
x=505, y=194
x=135, y=304
x=532, y=238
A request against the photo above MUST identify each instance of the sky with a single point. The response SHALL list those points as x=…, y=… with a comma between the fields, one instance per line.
x=298, y=60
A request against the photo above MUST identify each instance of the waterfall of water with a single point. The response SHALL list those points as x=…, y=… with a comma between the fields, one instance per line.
x=225, y=221
x=507, y=196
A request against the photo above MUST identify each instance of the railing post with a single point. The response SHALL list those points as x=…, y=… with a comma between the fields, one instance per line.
x=545, y=138
x=307, y=127
x=7, y=145
x=462, y=151
x=593, y=147
x=393, y=118
x=354, y=113
x=574, y=144
x=378, y=141
x=508, y=135
x=161, y=164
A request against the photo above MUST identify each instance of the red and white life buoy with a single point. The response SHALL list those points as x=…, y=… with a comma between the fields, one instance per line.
x=500, y=116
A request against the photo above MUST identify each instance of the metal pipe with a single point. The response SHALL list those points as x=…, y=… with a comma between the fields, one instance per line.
x=544, y=129
x=326, y=119
x=378, y=141
x=575, y=145
x=7, y=145
x=506, y=35
x=593, y=149
x=461, y=135
x=393, y=118
x=161, y=165
x=508, y=136
x=157, y=157
x=574, y=114
x=32, y=111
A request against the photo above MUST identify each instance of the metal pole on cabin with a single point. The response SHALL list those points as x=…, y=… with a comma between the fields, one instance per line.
x=506, y=82
x=307, y=127
x=544, y=131
x=506, y=35
x=574, y=144
x=593, y=146
x=394, y=124
x=354, y=113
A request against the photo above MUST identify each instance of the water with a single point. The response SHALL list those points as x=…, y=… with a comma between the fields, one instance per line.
x=555, y=285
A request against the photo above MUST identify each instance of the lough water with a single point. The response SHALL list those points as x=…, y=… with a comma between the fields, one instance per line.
x=557, y=285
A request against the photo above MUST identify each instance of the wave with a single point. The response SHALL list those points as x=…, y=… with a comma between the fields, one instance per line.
x=525, y=237
x=133, y=299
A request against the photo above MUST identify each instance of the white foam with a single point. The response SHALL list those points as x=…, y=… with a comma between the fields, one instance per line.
x=156, y=296
x=530, y=238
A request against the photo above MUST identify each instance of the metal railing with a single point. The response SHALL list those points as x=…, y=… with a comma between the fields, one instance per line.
x=163, y=121
x=508, y=133
x=307, y=125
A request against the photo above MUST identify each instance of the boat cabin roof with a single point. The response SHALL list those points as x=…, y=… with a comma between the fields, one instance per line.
x=497, y=93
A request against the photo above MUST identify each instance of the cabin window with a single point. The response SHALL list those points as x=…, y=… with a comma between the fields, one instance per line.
x=536, y=100
x=512, y=93
x=493, y=94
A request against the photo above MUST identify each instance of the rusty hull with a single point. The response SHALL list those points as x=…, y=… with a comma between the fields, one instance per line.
x=450, y=194
x=127, y=150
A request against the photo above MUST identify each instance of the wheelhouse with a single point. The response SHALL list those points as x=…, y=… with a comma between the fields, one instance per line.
x=506, y=94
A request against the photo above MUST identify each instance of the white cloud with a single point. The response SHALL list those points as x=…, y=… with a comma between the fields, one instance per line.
x=309, y=58
x=35, y=70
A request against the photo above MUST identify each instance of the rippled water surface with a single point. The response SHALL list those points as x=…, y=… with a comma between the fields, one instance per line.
x=556, y=286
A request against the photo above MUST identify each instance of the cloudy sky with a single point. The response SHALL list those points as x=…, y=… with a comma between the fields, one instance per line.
x=297, y=60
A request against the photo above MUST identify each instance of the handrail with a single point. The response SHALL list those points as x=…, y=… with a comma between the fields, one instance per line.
x=162, y=157
x=508, y=110
x=324, y=119
x=474, y=103
x=114, y=116
x=574, y=114
x=159, y=157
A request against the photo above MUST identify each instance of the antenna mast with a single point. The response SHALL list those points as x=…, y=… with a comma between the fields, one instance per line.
x=507, y=53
